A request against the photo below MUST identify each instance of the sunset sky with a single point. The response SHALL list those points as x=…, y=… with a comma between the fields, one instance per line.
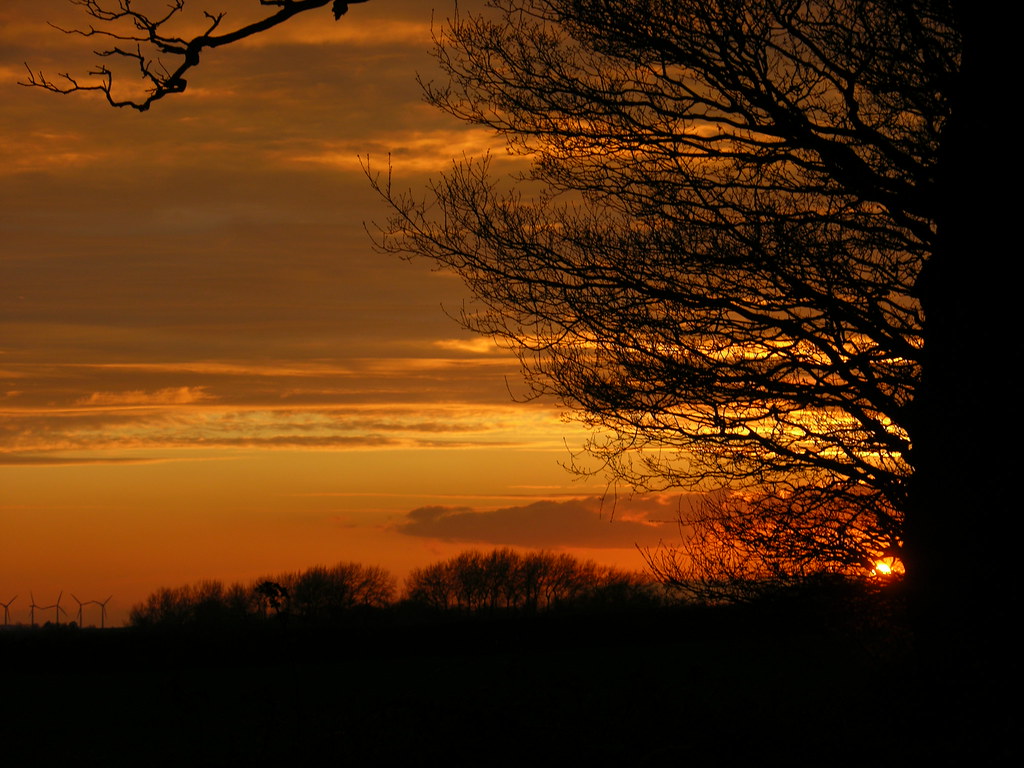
x=205, y=369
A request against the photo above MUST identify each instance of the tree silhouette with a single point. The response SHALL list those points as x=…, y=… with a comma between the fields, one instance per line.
x=205, y=604
x=323, y=593
x=271, y=595
x=503, y=580
x=760, y=249
x=719, y=270
x=316, y=595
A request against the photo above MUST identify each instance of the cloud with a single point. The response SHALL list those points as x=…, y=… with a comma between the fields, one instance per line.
x=178, y=418
x=588, y=522
x=32, y=460
x=409, y=150
x=310, y=30
x=481, y=345
x=166, y=396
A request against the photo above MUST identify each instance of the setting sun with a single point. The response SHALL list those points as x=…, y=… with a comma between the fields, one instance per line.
x=889, y=566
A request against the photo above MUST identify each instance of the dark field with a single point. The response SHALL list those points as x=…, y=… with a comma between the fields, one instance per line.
x=773, y=684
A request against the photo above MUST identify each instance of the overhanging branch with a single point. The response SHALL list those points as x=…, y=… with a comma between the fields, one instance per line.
x=148, y=44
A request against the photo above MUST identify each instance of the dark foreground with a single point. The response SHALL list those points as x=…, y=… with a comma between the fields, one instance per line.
x=789, y=683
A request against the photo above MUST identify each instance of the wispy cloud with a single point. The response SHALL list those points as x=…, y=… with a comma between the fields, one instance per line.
x=477, y=346
x=49, y=460
x=189, y=418
x=408, y=150
x=353, y=30
x=166, y=396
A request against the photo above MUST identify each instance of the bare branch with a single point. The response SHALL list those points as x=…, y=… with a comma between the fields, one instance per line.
x=152, y=44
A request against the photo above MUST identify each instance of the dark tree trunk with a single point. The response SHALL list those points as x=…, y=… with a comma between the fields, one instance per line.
x=960, y=524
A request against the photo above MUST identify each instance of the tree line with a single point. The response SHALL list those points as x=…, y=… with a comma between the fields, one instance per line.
x=472, y=582
x=317, y=594
x=505, y=579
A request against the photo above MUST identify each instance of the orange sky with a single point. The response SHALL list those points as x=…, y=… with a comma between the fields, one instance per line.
x=205, y=369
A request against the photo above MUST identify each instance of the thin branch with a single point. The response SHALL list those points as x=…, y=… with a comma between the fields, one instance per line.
x=151, y=44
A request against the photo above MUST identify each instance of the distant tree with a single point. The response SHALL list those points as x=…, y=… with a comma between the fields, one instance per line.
x=562, y=578
x=162, y=607
x=319, y=594
x=325, y=593
x=271, y=596
x=432, y=586
x=471, y=581
x=504, y=579
x=207, y=603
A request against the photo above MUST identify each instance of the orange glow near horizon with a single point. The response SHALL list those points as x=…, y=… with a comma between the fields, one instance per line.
x=888, y=567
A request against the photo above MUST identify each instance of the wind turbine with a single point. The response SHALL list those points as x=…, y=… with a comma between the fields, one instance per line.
x=41, y=608
x=80, y=604
x=55, y=606
x=56, y=613
x=32, y=609
x=103, y=610
x=7, y=609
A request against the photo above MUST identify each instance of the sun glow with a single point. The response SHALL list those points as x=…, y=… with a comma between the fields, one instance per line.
x=887, y=567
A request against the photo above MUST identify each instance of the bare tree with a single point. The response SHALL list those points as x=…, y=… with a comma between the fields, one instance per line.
x=161, y=48
x=205, y=604
x=761, y=250
x=317, y=594
x=431, y=586
x=718, y=268
x=506, y=580
x=327, y=593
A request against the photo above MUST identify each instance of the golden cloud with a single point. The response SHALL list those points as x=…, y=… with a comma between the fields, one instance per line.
x=478, y=346
x=166, y=396
x=410, y=151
